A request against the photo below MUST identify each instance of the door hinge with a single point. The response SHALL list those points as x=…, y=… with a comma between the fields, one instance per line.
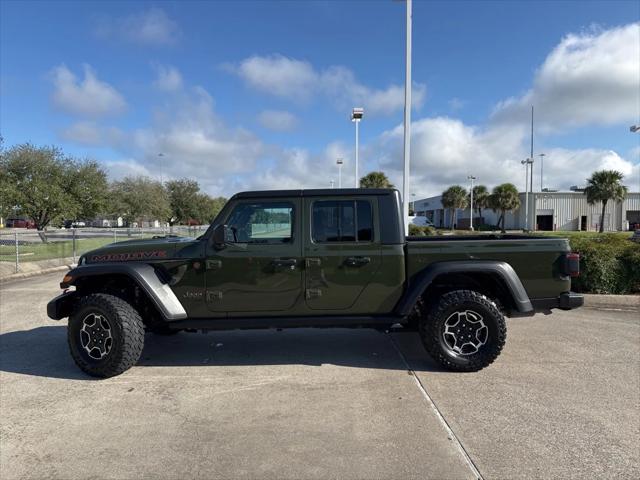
x=313, y=293
x=213, y=296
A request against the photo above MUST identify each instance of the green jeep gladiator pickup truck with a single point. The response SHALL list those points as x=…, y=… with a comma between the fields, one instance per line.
x=312, y=258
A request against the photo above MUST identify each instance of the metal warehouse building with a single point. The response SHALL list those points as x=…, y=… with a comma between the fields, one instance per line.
x=547, y=211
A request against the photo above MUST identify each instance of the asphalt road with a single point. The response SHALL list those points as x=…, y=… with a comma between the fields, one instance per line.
x=562, y=401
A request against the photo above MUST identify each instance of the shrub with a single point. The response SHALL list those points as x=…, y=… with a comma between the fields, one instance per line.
x=420, y=231
x=609, y=263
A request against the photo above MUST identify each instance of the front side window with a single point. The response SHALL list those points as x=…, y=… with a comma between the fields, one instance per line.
x=342, y=221
x=268, y=222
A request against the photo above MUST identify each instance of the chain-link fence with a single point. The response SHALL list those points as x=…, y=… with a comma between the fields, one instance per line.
x=62, y=247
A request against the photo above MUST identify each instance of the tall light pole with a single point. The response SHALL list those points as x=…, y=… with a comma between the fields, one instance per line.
x=472, y=178
x=356, y=115
x=636, y=129
x=528, y=184
x=542, y=155
x=332, y=183
x=339, y=162
x=407, y=120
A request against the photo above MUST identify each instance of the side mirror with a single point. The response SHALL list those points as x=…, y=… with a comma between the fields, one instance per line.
x=220, y=236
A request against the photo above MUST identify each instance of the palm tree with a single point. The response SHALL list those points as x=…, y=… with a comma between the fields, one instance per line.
x=453, y=198
x=480, y=198
x=505, y=199
x=604, y=185
x=375, y=180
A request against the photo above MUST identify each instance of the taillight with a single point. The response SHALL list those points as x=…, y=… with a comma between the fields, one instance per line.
x=572, y=264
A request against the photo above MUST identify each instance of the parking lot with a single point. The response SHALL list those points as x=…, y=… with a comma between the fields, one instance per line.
x=562, y=401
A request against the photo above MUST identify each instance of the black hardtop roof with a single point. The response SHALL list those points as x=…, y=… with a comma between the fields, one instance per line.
x=324, y=192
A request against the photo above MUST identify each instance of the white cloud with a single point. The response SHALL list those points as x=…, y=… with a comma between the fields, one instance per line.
x=89, y=97
x=91, y=134
x=118, y=169
x=151, y=27
x=196, y=143
x=277, y=120
x=169, y=79
x=591, y=78
x=278, y=75
x=299, y=81
x=445, y=150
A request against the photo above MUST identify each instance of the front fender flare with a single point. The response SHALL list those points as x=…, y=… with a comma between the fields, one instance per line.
x=502, y=270
x=145, y=276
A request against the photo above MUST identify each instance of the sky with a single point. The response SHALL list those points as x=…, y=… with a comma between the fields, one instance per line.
x=246, y=95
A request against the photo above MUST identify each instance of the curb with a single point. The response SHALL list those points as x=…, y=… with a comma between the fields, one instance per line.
x=19, y=276
x=626, y=302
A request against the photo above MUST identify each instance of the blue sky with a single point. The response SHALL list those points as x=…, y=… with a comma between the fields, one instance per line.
x=257, y=94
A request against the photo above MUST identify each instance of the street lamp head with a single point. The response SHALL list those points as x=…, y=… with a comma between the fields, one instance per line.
x=357, y=113
x=634, y=128
x=471, y=177
x=339, y=161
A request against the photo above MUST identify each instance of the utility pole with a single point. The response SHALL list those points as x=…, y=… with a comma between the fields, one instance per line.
x=472, y=178
x=542, y=155
x=339, y=162
x=407, y=120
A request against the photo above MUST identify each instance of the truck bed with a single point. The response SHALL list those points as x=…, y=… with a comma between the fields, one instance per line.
x=534, y=258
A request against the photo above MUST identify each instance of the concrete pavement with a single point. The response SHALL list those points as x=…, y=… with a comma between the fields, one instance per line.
x=561, y=402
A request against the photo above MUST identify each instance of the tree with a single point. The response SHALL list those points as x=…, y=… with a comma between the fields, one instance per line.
x=480, y=198
x=504, y=198
x=47, y=186
x=88, y=186
x=604, y=185
x=183, y=200
x=208, y=208
x=139, y=198
x=453, y=198
x=375, y=180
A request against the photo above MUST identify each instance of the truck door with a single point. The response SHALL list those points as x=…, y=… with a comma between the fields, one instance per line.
x=342, y=250
x=261, y=267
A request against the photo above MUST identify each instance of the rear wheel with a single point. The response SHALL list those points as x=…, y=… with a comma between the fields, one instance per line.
x=105, y=335
x=463, y=330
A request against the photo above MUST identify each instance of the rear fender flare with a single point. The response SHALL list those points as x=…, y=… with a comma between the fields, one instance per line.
x=145, y=276
x=502, y=270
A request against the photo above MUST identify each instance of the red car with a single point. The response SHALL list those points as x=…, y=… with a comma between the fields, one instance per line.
x=20, y=223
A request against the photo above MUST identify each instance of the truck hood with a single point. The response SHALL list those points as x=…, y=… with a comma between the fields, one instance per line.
x=161, y=248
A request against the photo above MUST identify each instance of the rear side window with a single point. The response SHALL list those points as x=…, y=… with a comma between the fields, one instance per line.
x=342, y=221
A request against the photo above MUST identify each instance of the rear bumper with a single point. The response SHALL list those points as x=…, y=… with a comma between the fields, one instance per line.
x=566, y=301
x=61, y=306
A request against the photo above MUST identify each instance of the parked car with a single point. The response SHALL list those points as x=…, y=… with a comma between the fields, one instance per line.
x=20, y=223
x=313, y=258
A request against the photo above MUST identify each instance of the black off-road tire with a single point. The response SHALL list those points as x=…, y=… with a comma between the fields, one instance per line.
x=442, y=312
x=125, y=328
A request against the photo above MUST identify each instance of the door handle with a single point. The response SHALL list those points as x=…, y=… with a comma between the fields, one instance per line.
x=289, y=263
x=357, y=261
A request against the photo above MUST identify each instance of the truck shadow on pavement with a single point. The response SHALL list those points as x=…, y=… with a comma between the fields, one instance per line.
x=43, y=351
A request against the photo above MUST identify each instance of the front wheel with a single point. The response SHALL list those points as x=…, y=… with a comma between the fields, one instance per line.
x=463, y=331
x=105, y=335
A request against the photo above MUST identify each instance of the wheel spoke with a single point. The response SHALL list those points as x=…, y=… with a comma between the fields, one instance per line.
x=465, y=332
x=95, y=336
